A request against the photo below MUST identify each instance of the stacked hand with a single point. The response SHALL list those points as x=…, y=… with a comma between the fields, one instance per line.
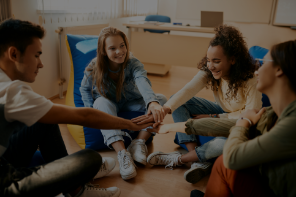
x=137, y=127
x=155, y=115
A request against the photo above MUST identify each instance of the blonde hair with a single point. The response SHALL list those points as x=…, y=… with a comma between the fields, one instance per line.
x=100, y=70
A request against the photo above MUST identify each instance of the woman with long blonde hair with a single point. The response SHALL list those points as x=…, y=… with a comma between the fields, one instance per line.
x=116, y=81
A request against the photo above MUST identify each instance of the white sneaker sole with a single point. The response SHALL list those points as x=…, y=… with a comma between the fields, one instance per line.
x=130, y=176
x=117, y=193
x=157, y=153
x=196, y=174
x=142, y=161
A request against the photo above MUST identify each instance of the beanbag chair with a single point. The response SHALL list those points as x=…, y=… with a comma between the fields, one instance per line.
x=82, y=49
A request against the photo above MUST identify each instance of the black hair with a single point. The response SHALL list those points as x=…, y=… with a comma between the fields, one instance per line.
x=18, y=33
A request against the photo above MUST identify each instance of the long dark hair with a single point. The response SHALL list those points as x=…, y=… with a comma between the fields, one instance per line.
x=234, y=45
x=283, y=55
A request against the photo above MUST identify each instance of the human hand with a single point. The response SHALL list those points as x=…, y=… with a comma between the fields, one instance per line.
x=160, y=129
x=138, y=127
x=144, y=119
x=157, y=111
x=253, y=115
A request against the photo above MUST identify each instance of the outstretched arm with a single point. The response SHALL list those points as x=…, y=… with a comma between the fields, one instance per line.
x=89, y=117
x=182, y=96
x=166, y=128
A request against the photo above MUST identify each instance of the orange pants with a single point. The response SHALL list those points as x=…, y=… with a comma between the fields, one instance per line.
x=242, y=183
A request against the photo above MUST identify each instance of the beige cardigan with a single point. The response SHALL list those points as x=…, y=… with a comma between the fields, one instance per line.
x=247, y=97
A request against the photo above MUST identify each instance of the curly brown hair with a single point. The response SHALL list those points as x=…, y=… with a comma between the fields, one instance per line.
x=233, y=44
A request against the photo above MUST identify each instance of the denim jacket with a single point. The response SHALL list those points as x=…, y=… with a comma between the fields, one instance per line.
x=136, y=85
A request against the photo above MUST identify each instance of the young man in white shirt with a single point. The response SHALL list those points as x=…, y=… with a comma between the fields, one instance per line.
x=30, y=120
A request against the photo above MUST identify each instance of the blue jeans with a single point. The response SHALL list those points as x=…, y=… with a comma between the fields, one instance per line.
x=197, y=105
x=108, y=106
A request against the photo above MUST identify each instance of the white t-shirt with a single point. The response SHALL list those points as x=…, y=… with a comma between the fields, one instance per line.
x=21, y=102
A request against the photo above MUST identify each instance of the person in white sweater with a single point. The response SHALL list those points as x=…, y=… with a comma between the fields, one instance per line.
x=228, y=69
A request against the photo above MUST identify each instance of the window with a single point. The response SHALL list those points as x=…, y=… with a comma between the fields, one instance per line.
x=5, y=10
x=104, y=8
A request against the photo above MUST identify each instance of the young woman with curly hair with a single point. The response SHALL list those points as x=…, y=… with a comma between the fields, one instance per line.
x=228, y=69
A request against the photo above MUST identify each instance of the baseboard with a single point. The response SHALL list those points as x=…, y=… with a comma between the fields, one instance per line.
x=57, y=96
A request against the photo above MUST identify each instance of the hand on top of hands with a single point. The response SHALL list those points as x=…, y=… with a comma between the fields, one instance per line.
x=138, y=127
x=157, y=111
x=156, y=114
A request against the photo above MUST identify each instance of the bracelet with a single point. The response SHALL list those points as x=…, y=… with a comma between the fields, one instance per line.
x=242, y=118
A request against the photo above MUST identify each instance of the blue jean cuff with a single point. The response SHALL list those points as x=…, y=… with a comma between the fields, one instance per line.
x=200, y=154
x=116, y=138
x=150, y=127
x=113, y=139
x=184, y=138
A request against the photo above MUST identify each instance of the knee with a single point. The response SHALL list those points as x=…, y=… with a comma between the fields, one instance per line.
x=162, y=99
x=218, y=143
x=91, y=159
x=103, y=104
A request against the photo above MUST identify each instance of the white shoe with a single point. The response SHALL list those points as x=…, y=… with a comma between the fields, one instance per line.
x=91, y=190
x=167, y=159
x=107, y=166
x=197, y=171
x=138, y=150
x=126, y=165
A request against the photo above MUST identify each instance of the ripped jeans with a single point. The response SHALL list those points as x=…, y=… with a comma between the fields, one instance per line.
x=109, y=107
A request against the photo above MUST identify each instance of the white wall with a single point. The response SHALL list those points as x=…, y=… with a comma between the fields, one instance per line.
x=264, y=35
x=46, y=83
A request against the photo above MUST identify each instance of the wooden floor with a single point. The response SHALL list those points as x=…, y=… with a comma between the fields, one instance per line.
x=152, y=180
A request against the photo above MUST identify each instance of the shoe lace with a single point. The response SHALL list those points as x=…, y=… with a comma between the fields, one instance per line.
x=103, y=167
x=144, y=149
x=168, y=160
x=90, y=186
x=126, y=160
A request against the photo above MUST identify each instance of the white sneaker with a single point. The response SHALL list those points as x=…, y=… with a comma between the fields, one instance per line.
x=107, y=166
x=167, y=159
x=197, y=171
x=126, y=165
x=138, y=150
x=91, y=190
